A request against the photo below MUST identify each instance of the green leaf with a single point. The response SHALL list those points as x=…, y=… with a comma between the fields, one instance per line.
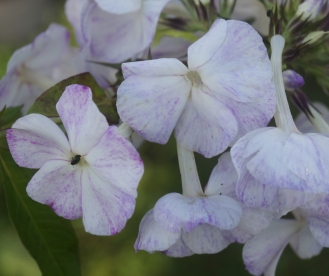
x=50, y=239
x=9, y=115
x=46, y=103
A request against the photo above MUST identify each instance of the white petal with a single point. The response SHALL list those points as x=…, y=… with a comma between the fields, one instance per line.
x=119, y=7
x=116, y=160
x=58, y=185
x=34, y=139
x=175, y=212
x=82, y=120
x=206, y=125
x=319, y=227
x=205, y=239
x=223, y=177
x=179, y=249
x=310, y=162
x=267, y=165
x=263, y=251
x=304, y=244
x=129, y=34
x=73, y=12
x=204, y=49
x=152, y=105
x=106, y=208
x=240, y=69
x=152, y=237
x=155, y=68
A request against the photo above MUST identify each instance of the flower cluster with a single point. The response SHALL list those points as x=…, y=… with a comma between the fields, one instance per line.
x=216, y=89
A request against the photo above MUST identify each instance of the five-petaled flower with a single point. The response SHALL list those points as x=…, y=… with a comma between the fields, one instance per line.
x=99, y=183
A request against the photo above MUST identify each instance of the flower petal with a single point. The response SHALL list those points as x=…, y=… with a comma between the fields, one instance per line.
x=178, y=250
x=206, y=125
x=152, y=237
x=58, y=185
x=34, y=139
x=205, y=239
x=82, y=120
x=319, y=227
x=113, y=6
x=223, y=177
x=154, y=68
x=240, y=69
x=116, y=160
x=175, y=212
x=152, y=106
x=106, y=208
x=263, y=251
x=206, y=47
x=272, y=171
x=310, y=162
x=304, y=244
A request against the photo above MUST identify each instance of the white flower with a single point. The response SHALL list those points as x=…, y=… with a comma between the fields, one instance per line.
x=94, y=173
x=226, y=91
x=36, y=67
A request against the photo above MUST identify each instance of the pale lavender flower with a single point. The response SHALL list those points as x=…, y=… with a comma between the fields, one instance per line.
x=114, y=31
x=307, y=235
x=36, y=67
x=226, y=91
x=93, y=173
x=191, y=223
x=282, y=157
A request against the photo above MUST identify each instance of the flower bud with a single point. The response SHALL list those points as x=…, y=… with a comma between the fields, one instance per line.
x=292, y=80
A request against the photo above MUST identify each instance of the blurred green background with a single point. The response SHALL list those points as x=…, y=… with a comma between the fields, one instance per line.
x=21, y=21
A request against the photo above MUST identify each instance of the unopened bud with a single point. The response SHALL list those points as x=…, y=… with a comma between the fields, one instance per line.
x=292, y=80
x=309, y=9
x=313, y=37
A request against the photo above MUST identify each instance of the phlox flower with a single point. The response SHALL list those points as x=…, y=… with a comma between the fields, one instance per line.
x=198, y=222
x=36, y=67
x=93, y=172
x=114, y=31
x=226, y=91
x=307, y=235
x=282, y=157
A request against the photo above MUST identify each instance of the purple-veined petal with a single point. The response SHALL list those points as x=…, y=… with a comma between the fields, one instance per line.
x=84, y=123
x=262, y=253
x=175, y=212
x=310, y=162
x=319, y=227
x=318, y=206
x=154, y=68
x=205, y=125
x=252, y=193
x=304, y=244
x=237, y=151
x=251, y=116
x=34, y=139
x=152, y=237
x=119, y=7
x=223, y=177
x=152, y=106
x=207, y=46
x=178, y=250
x=106, y=208
x=58, y=184
x=236, y=235
x=116, y=160
x=205, y=239
x=240, y=69
x=267, y=165
x=130, y=33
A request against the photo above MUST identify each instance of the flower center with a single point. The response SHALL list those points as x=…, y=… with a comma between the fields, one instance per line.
x=194, y=78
